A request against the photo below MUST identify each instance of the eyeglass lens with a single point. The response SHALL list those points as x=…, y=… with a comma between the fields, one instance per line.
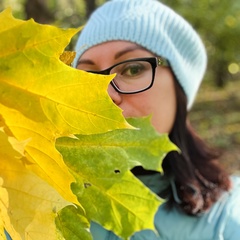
x=132, y=76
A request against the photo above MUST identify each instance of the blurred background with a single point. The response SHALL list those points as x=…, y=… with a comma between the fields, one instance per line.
x=216, y=112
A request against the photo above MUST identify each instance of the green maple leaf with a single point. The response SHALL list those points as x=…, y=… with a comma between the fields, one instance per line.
x=109, y=193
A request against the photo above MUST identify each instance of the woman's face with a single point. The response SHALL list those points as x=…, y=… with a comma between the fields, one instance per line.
x=159, y=101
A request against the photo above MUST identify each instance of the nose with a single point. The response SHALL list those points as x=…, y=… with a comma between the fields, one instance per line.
x=114, y=95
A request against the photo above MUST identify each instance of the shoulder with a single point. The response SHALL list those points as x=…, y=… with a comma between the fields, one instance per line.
x=234, y=193
x=232, y=211
x=222, y=221
x=233, y=200
x=99, y=233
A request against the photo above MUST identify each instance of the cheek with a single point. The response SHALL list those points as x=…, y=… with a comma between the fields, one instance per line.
x=163, y=120
x=139, y=105
x=160, y=107
x=163, y=99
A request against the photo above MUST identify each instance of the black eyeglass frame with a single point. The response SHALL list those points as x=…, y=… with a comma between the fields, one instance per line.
x=154, y=61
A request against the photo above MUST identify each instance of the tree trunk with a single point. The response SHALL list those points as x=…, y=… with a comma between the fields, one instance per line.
x=221, y=74
x=90, y=7
x=37, y=9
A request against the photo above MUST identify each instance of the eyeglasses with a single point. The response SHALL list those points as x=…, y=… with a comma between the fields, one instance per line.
x=134, y=75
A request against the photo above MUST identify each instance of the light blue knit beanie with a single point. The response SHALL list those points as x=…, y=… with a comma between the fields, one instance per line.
x=157, y=28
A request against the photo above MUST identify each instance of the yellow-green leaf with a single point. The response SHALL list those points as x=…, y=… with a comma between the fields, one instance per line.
x=107, y=190
x=73, y=224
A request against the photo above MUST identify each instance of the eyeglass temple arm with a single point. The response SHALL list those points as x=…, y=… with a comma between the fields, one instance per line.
x=162, y=62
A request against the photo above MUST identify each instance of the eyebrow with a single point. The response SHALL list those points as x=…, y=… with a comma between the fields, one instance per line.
x=85, y=61
x=127, y=50
x=117, y=55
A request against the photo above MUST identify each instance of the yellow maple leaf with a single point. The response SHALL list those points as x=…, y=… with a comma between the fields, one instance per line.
x=41, y=99
x=28, y=205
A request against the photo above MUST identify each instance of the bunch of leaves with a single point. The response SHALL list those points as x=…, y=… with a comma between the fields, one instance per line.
x=66, y=150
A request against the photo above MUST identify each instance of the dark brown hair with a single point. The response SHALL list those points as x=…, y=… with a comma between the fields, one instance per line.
x=196, y=175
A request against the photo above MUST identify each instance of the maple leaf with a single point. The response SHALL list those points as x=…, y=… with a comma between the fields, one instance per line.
x=73, y=224
x=28, y=205
x=67, y=57
x=106, y=188
x=41, y=97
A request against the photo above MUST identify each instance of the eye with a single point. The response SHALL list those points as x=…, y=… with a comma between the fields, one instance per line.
x=132, y=69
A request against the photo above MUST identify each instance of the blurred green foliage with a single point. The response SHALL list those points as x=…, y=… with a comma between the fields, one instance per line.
x=217, y=21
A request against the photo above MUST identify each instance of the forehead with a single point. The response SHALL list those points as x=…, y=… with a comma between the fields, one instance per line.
x=111, y=49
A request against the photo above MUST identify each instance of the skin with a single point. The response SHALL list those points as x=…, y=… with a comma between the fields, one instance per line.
x=159, y=101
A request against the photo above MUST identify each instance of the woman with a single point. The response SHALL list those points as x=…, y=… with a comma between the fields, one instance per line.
x=160, y=62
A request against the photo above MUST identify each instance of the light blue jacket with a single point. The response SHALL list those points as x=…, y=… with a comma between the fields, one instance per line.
x=222, y=222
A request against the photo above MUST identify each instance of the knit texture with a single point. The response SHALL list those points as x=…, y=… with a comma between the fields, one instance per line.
x=157, y=28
